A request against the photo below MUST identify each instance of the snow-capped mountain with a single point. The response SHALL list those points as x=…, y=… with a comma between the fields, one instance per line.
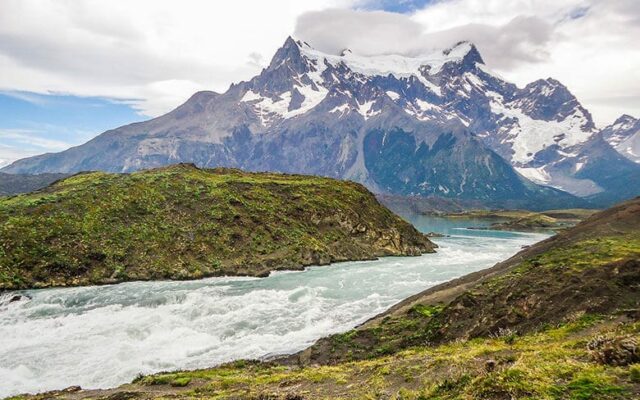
x=437, y=124
x=624, y=136
x=605, y=168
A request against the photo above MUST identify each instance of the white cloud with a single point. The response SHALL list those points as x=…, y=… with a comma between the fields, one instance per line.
x=20, y=143
x=9, y=154
x=520, y=39
x=364, y=32
x=158, y=51
x=31, y=139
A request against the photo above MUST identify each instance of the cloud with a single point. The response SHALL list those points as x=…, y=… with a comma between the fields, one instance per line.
x=364, y=32
x=28, y=97
x=20, y=143
x=9, y=154
x=521, y=39
x=157, y=51
x=31, y=139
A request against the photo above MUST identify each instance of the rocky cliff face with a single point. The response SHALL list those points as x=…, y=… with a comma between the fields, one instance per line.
x=438, y=124
x=182, y=222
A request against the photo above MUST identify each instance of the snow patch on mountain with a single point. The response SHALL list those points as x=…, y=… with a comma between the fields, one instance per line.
x=392, y=95
x=624, y=136
x=630, y=147
x=529, y=136
x=473, y=79
x=266, y=106
x=340, y=109
x=365, y=109
x=396, y=65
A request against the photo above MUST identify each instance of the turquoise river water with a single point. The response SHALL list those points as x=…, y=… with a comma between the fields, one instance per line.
x=100, y=337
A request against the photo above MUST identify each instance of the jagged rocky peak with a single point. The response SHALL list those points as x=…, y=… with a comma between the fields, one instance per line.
x=550, y=100
x=379, y=65
x=621, y=129
x=624, y=122
x=466, y=51
x=545, y=87
x=289, y=54
x=299, y=78
x=550, y=91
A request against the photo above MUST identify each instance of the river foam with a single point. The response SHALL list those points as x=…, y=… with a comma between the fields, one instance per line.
x=100, y=337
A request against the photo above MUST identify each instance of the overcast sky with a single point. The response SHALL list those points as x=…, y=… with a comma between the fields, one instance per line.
x=117, y=61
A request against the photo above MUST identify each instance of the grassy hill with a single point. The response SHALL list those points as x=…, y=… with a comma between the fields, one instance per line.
x=560, y=320
x=590, y=269
x=181, y=222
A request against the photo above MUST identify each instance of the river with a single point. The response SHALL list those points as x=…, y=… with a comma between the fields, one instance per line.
x=100, y=337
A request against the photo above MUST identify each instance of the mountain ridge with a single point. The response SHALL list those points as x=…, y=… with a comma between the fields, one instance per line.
x=11, y=184
x=316, y=113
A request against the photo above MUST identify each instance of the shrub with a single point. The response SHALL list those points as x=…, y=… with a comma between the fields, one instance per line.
x=619, y=350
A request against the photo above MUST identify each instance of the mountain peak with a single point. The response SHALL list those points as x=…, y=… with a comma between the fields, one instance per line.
x=473, y=54
x=289, y=53
x=298, y=56
x=466, y=51
x=291, y=42
x=624, y=120
x=624, y=136
x=549, y=83
x=549, y=87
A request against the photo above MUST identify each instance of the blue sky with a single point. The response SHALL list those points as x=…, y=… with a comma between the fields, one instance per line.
x=33, y=123
x=397, y=6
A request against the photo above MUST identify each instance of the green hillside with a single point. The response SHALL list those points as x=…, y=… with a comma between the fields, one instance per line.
x=182, y=222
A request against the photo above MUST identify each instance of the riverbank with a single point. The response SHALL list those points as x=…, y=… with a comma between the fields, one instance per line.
x=149, y=327
x=527, y=221
x=558, y=320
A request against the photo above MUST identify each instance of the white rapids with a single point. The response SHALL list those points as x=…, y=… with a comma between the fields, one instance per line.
x=100, y=337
